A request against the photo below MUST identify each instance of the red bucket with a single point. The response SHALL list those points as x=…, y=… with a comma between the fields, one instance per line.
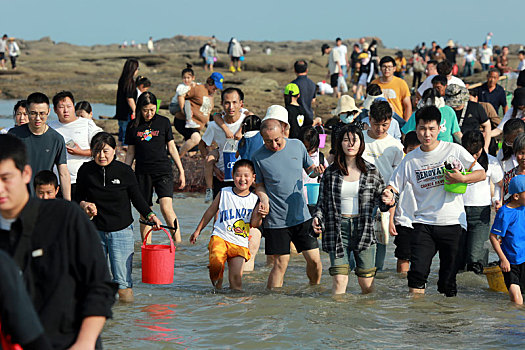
x=158, y=261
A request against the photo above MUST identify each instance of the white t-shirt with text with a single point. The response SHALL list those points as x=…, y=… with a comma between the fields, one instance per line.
x=478, y=194
x=425, y=172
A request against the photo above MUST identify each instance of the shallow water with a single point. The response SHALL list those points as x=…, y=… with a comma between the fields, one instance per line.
x=189, y=314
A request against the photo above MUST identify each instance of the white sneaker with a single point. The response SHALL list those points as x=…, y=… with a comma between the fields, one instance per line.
x=209, y=195
x=192, y=125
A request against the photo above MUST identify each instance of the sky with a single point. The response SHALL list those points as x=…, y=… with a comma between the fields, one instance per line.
x=113, y=21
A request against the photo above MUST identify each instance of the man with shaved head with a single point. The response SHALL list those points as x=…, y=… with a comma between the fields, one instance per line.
x=279, y=167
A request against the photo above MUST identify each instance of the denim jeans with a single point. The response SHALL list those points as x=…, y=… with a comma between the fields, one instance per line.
x=118, y=248
x=478, y=226
x=364, y=259
x=122, y=126
x=485, y=66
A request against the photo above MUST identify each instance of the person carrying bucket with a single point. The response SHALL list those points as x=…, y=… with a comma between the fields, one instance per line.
x=345, y=211
x=234, y=208
x=507, y=236
x=310, y=138
x=105, y=190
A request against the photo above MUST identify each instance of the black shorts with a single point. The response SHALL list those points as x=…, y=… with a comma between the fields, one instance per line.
x=402, y=242
x=180, y=126
x=333, y=80
x=235, y=59
x=278, y=239
x=516, y=275
x=162, y=183
x=219, y=185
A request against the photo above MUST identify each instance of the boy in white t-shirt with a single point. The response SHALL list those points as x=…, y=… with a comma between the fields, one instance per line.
x=385, y=152
x=401, y=222
x=234, y=208
x=440, y=215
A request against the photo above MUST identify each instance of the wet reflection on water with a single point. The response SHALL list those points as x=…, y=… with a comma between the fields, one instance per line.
x=189, y=314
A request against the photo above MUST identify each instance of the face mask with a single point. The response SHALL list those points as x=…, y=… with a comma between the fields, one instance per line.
x=346, y=118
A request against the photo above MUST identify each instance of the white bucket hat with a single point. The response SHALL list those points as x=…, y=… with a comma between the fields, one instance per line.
x=278, y=113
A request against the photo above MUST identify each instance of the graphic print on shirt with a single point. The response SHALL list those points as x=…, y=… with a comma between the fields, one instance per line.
x=147, y=134
x=239, y=227
x=389, y=94
x=300, y=119
x=430, y=176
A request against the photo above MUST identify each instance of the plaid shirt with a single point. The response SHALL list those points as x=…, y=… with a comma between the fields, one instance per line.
x=328, y=209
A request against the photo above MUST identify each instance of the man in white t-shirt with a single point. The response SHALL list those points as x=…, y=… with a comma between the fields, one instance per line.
x=485, y=57
x=343, y=54
x=334, y=67
x=77, y=133
x=385, y=152
x=443, y=68
x=440, y=215
x=232, y=104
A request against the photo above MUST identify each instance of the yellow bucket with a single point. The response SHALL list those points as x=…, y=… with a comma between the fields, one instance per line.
x=495, y=279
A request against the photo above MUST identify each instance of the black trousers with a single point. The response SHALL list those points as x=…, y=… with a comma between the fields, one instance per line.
x=425, y=242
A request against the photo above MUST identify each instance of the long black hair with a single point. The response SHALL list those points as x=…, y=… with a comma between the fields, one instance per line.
x=340, y=157
x=126, y=81
x=473, y=141
x=145, y=99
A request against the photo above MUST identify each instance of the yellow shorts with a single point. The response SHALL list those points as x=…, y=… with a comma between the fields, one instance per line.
x=220, y=252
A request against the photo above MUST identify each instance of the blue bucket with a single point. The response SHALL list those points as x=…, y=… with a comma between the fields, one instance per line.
x=312, y=192
x=229, y=160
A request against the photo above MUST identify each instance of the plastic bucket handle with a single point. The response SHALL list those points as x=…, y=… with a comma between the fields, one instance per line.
x=172, y=246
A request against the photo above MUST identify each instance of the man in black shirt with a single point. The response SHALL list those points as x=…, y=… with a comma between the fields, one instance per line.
x=493, y=93
x=306, y=86
x=471, y=116
x=59, y=252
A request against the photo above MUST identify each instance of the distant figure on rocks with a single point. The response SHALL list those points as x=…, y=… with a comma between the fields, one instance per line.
x=334, y=67
x=235, y=52
x=150, y=45
x=14, y=52
x=3, y=51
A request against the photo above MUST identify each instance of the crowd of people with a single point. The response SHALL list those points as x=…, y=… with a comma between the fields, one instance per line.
x=426, y=170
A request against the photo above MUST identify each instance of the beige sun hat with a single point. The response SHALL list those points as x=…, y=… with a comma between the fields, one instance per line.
x=345, y=104
x=278, y=113
x=451, y=43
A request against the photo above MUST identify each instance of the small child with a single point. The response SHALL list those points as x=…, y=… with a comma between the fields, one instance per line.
x=235, y=208
x=46, y=185
x=310, y=138
x=385, y=152
x=178, y=101
x=478, y=200
x=143, y=84
x=505, y=155
x=252, y=139
x=83, y=110
x=296, y=113
x=508, y=239
x=401, y=222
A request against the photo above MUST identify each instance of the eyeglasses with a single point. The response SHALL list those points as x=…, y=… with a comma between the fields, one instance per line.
x=387, y=67
x=38, y=114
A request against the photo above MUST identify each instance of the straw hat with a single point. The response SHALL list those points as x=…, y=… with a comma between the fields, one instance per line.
x=345, y=104
x=450, y=43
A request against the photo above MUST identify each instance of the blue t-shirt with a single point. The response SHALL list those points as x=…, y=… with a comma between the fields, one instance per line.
x=510, y=225
x=250, y=144
x=448, y=126
x=282, y=175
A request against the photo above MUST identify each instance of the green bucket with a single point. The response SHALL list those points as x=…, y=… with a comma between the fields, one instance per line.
x=158, y=104
x=459, y=188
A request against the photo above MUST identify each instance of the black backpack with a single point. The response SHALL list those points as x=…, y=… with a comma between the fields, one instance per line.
x=201, y=50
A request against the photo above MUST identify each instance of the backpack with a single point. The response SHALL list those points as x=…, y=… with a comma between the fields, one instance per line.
x=419, y=67
x=201, y=50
